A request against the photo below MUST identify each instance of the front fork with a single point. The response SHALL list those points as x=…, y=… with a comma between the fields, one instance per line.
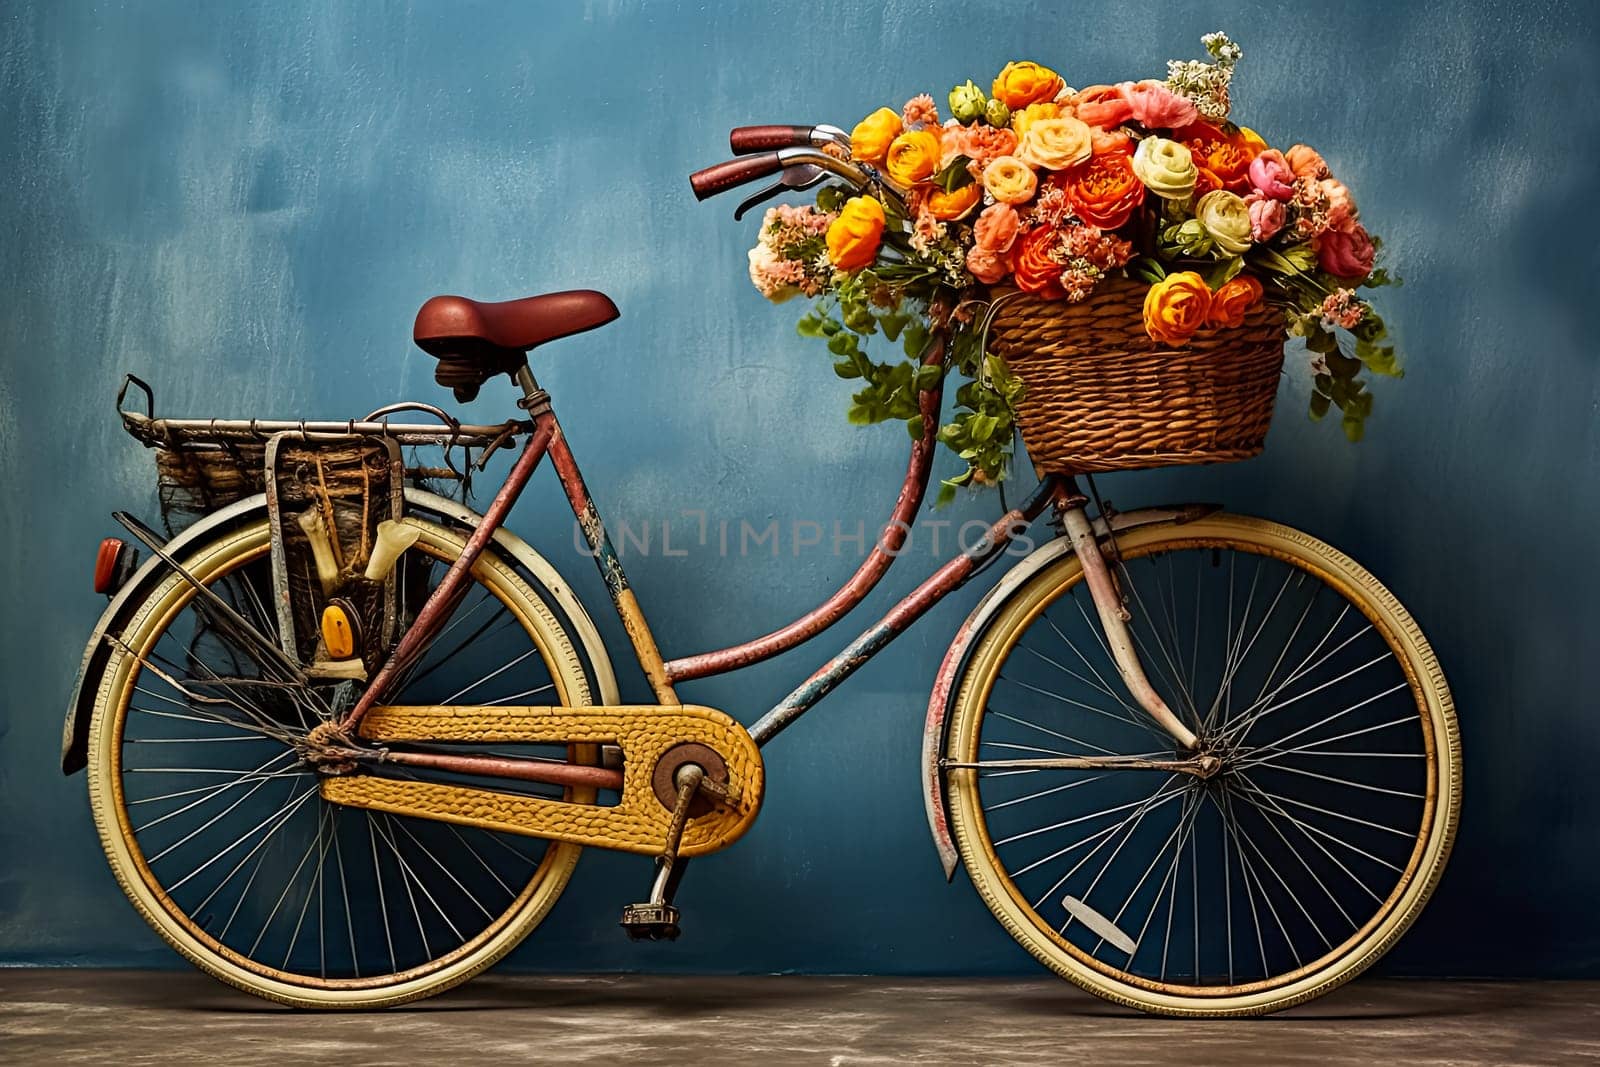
x=1069, y=505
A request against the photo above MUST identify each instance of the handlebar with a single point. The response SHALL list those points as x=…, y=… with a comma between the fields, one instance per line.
x=746, y=139
x=724, y=176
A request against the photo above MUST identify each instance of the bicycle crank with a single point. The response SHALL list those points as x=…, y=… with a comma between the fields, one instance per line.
x=655, y=742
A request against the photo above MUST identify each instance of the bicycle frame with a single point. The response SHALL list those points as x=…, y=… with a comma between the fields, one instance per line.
x=547, y=439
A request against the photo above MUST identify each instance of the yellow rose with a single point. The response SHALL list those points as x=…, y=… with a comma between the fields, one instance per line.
x=870, y=140
x=913, y=156
x=1010, y=180
x=1045, y=109
x=1226, y=218
x=1166, y=168
x=1175, y=307
x=854, y=236
x=947, y=207
x=1021, y=84
x=1056, y=144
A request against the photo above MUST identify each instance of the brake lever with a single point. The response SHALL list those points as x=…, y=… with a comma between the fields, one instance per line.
x=797, y=176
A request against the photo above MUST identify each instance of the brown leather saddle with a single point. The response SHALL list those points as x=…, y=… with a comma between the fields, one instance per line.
x=473, y=340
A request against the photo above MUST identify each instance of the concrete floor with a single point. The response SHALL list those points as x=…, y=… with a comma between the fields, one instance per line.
x=131, y=1018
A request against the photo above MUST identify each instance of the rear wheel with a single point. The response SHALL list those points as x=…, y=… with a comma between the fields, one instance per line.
x=216, y=829
x=1270, y=882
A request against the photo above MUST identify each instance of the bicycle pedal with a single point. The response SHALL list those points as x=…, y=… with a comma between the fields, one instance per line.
x=651, y=922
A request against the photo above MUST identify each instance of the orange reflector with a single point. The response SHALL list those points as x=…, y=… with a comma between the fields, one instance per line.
x=107, y=569
x=340, y=630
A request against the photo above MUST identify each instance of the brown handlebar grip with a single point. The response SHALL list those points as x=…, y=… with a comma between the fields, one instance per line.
x=724, y=176
x=745, y=139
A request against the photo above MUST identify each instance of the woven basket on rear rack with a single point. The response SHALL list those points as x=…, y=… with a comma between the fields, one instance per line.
x=1100, y=395
x=196, y=478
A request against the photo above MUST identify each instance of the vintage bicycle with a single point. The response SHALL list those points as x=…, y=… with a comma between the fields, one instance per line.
x=346, y=737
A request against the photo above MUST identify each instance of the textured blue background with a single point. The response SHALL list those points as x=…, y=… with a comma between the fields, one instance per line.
x=245, y=203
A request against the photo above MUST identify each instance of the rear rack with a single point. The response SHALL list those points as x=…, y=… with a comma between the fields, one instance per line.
x=206, y=463
x=176, y=433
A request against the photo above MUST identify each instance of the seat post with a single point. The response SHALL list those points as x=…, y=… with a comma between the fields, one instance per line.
x=534, y=399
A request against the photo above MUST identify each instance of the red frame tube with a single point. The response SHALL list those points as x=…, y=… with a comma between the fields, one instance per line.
x=852, y=592
x=436, y=612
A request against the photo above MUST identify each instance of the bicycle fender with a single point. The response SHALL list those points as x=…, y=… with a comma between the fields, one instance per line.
x=547, y=580
x=943, y=696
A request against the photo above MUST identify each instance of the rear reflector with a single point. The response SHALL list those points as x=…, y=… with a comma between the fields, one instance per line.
x=109, y=572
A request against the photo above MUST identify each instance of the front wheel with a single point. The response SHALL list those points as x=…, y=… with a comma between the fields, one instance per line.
x=1277, y=878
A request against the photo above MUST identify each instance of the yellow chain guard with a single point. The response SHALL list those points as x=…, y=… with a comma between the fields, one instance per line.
x=638, y=823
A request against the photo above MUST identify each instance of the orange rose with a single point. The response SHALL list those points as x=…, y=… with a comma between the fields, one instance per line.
x=1102, y=105
x=1306, y=162
x=1175, y=307
x=1227, y=157
x=1105, y=191
x=1010, y=180
x=854, y=236
x=1021, y=84
x=947, y=207
x=1230, y=303
x=1106, y=141
x=1025, y=117
x=870, y=140
x=1252, y=141
x=913, y=156
x=1206, y=182
x=1035, y=269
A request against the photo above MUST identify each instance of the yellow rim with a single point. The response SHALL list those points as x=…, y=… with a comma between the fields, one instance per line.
x=1436, y=828
x=114, y=693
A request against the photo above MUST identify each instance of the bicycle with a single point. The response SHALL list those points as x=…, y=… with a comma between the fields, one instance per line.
x=1196, y=763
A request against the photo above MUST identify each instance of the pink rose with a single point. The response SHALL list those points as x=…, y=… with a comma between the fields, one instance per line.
x=1306, y=162
x=1341, y=208
x=1267, y=215
x=1346, y=253
x=996, y=228
x=1156, y=107
x=950, y=142
x=1102, y=105
x=1271, y=174
x=986, y=266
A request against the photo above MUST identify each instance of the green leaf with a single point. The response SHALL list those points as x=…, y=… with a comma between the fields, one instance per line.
x=1379, y=359
x=915, y=340
x=947, y=494
x=1224, y=272
x=914, y=427
x=929, y=376
x=1353, y=428
x=954, y=175
x=842, y=344
x=846, y=369
x=1322, y=340
x=809, y=326
x=1319, y=405
x=982, y=426
x=859, y=415
x=1341, y=365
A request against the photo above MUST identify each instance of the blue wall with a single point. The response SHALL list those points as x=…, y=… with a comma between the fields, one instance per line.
x=245, y=203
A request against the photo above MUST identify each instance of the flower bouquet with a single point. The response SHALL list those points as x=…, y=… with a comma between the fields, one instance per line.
x=1118, y=264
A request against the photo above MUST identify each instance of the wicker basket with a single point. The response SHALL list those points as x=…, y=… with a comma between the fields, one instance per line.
x=1101, y=395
